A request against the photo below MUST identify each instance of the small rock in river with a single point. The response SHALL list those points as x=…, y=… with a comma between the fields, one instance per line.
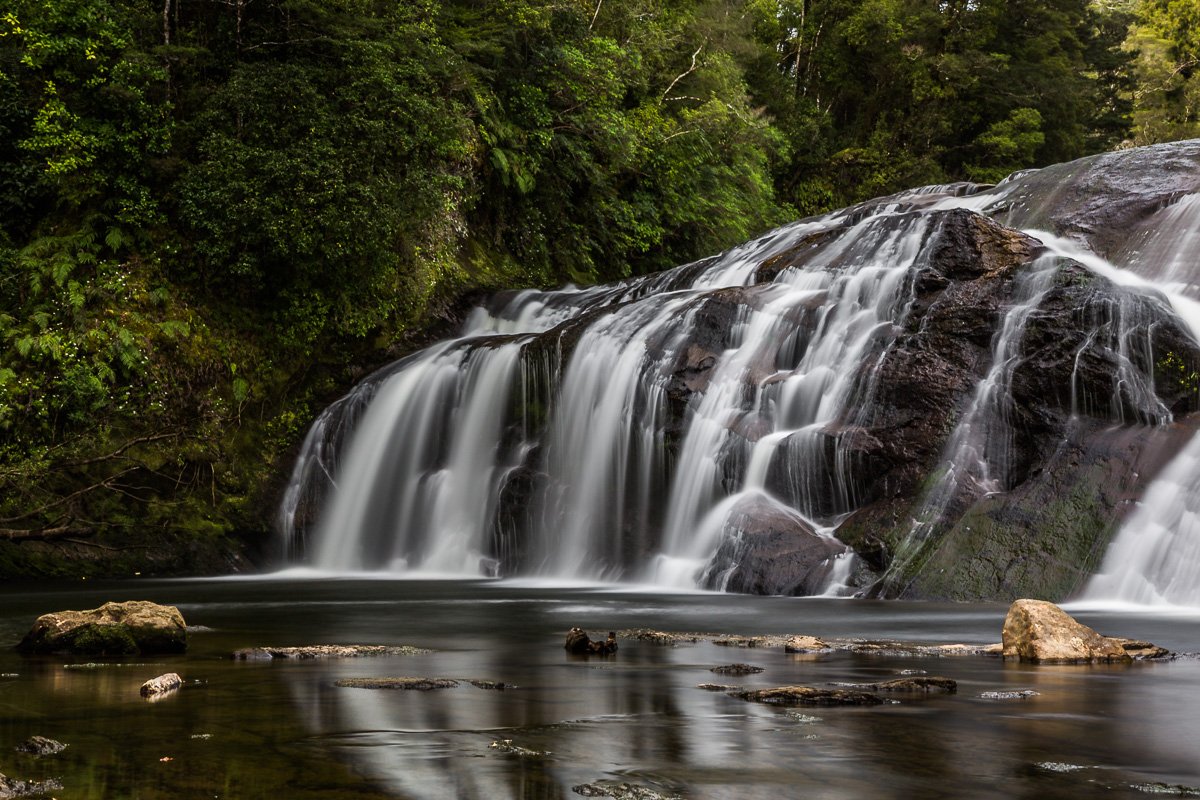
x=414, y=684
x=717, y=687
x=495, y=685
x=578, y=643
x=41, y=746
x=163, y=684
x=737, y=669
x=507, y=746
x=805, y=644
x=1010, y=695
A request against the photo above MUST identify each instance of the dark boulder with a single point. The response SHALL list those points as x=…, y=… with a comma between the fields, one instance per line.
x=770, y=549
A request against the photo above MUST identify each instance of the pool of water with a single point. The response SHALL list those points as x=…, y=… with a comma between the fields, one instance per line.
x=283, y=729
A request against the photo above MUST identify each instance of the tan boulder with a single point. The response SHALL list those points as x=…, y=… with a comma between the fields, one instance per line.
x=114, y=629
x=1037, y=630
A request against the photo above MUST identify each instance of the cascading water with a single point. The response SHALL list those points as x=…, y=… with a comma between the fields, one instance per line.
x=717, y=422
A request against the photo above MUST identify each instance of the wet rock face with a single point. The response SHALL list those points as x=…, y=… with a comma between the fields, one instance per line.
x=1107, y=199
x=769, y=549
x=130, y=628
x=929, y=372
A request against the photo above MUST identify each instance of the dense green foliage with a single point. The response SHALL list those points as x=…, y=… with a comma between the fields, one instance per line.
x=209, y=208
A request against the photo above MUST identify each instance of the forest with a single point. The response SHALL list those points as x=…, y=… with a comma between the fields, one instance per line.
x=216, y=215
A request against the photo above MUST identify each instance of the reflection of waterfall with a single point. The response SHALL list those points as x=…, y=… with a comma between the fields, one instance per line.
x=677, y=428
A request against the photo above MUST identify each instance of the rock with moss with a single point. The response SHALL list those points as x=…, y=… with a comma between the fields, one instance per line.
x=135, y=627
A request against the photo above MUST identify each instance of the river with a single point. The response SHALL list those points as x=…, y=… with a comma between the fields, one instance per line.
x=283, y=729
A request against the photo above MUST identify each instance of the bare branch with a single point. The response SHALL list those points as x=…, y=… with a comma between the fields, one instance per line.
x=686, y=72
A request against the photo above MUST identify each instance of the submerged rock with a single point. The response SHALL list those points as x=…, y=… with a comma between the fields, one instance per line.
x=114, y=629
x=412, y=684
x=1039, y=631
x=41, y=746
x=326, y=651
x=163, y=684
x=808, y=696
x=736, y=669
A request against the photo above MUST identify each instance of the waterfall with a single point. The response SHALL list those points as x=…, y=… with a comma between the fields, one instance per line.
x=1155, y=556
x=705, y=426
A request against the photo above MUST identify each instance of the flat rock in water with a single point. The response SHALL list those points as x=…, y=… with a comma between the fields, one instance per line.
x=507, y=746
x=163, y=684
x=808, y=696
x=1039, y=631
x=717, y=687
x=621, y=791
x=498, y=686
x=326, y=651
x=736, y=669
x=116, y=629
x=41, y=746
x=670, y=638
x=1018, y=694
x=413, y=684
x=914, y=684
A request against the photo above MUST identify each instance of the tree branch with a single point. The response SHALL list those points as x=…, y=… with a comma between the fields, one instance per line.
x=686, y=72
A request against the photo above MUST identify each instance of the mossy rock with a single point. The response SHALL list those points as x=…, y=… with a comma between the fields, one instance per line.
x=130, y=628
